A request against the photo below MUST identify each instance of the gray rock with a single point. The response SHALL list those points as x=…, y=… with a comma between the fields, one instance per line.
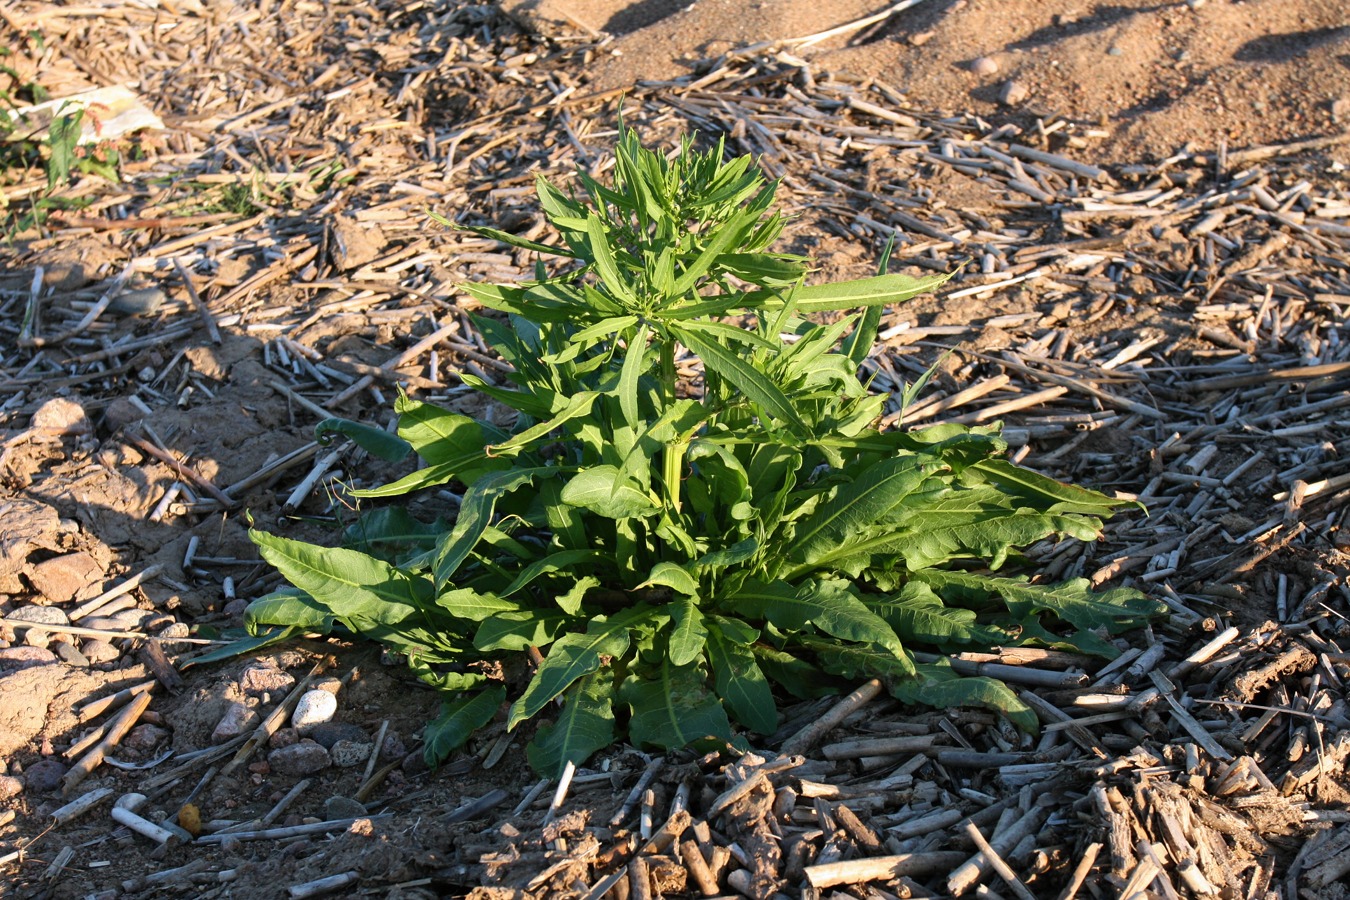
x=61, y=415
x=304, y=758
x=238, y=719
x=984, y=66
x=314, y=708
x=347, y=754
x=70, y=655
x=1013, y=93
x=9, y=786
x=44, y=776
x=335, y=808
x=45, y=615
x=97, y=651
x=329, y=733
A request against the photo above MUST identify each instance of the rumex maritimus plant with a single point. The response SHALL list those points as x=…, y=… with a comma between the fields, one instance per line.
x=669, y=548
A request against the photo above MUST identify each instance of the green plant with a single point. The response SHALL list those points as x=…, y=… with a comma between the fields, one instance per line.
x=668, y=548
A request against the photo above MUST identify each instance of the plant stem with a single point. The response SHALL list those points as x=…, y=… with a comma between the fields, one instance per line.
x=673, y=454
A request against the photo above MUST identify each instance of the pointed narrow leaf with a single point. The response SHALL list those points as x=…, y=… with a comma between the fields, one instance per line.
x=457, y=723
x=879, y=289
x=475, y=514
x=741, y=375
x=740, y=683
x=629, y=376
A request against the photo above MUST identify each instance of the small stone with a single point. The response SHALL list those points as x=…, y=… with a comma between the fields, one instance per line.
x=131, y=619
x=235, y=609
x=1340, y=109
x=101, y=623
x=1013, y=93
x=70, y=655
x=284, y=737
x=984, y=66
x=99, y=651
x=63, y=416
x=44, y=776
x=347, y=754
x=15, y=658
x=175, y=630
x=145, y=737
x=304, y=758
x=1195, y=4
x=45, y=615
x=315, y=707
x=335, y=808
x=137, y=302
x=259, y=679
x=9, y=786
x=330, y=684
x=1115, y=51
x=121, y=413
x=919, y=38
x=393, y=746
x=238, y=719
x=329, y=733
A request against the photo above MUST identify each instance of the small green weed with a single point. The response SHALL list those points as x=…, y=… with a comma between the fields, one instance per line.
x=675, y=550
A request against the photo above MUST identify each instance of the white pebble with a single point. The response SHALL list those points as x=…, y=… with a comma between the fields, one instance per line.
x=314, y=708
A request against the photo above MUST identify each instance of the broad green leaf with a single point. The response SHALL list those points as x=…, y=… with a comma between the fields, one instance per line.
x=475, y=513
x=458, y=721
x=739, y=373
x=738, y=552
x=799, y=677
x=388, y=530
x=918, y=614
x=1073, y=601
x=467, y=603
x=673, y=576
x=375, y=441
x=854, y=661
x=828, y=605
x=936, y=685
x=740, y=683
x=570, y=600
x=606, y=492
x=872, y=496
x=519, y=630
x=585, y=725
x=346, y=582
x=688, y=634
x=672, y=707
x=1064, y=498
x=574, y=655
x=288, y=607
x=441, y=436
x=990, y=538
x=447, y=682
